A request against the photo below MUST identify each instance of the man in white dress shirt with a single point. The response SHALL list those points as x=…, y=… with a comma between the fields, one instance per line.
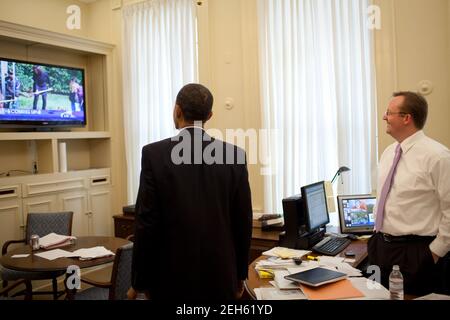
x=413, y=222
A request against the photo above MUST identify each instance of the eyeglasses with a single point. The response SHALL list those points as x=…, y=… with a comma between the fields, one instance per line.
x=388, y=113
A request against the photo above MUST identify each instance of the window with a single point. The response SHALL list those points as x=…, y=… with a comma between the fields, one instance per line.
x=318, y=94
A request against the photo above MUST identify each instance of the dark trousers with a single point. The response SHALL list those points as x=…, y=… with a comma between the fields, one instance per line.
x=420, y=274
x=44, y=100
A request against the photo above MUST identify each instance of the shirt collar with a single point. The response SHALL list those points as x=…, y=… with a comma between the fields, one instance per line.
x=409, y=142
x=192, y=127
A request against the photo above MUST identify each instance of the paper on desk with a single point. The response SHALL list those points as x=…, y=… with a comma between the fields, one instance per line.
x=273, y=293
x=274, y=263
x=83, y=254
x=331, y=260
x=92, y=253
x=52, y=239
x=372, y=290
x=285, y=253
x=19, y=255
x=337, y=263
x=306, y=265
x=434, y=296
x=53, y=254
x=282, y=283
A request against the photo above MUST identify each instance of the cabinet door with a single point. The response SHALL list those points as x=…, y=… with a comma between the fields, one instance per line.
x=11, y=221
x=100, y=211
x=76, y=201
x=38, y=204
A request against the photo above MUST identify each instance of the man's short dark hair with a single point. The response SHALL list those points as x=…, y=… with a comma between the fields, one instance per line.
x=195, y=101
x=415, y=105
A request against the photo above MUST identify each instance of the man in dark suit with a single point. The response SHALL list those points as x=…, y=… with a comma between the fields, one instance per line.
x=193, y=211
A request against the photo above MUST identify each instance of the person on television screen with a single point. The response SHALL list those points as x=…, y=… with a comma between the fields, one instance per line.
x=412, y=220
x=76, y=95
x=41, y=86
x=193, y=216
x=12, y=91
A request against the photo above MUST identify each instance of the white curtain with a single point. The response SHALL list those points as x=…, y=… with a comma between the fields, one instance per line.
x=159, y=57
x=318, y=94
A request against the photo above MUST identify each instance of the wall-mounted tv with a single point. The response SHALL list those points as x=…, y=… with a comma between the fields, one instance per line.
x=41, y=95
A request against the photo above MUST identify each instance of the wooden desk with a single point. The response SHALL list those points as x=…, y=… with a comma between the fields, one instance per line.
x=123, y=225
x=262, y=241
x=359, y=247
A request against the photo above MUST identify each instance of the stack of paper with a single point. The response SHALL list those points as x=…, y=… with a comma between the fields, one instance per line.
x=53, y=240
x=272, y=293
x=275, y=263
x=285, y=253
x=92, y=253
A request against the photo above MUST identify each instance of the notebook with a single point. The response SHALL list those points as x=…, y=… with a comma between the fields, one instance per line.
x=316, y=277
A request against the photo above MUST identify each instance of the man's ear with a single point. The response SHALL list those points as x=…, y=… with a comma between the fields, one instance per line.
x=408, y=119
x=178, y=112
x=209, y=116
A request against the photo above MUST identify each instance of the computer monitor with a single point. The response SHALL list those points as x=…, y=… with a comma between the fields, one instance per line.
x=356, y=213
x=315, y=205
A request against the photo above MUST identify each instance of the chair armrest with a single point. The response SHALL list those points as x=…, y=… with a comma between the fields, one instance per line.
x=97, y=283
x=7, y=243
x=130, y=237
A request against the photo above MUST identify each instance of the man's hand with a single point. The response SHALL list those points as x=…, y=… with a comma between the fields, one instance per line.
x=435, y=257
x=135, y=295
x=131, y=294
x=240, y=290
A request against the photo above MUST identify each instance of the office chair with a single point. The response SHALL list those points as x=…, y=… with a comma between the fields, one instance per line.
x=117, y=287
x=40, y=224
x=4, y=292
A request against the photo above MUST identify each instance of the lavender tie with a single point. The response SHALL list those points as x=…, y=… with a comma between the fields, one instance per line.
x=386, y=188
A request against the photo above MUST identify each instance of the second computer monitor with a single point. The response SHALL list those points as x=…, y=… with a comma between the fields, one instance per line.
x=356, y=213
x=315, y=205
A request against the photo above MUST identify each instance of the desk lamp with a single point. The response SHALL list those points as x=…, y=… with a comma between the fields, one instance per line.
x=339, y=171
x=329, y=189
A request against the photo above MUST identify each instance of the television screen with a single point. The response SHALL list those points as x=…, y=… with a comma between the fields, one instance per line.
x=33, y=94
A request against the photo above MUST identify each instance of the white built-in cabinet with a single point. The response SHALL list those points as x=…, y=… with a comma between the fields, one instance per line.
x=86, y=187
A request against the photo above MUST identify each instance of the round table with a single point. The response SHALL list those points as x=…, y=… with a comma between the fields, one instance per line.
x=35, y=263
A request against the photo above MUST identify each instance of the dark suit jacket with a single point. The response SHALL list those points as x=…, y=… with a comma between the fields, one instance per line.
x=193, y=221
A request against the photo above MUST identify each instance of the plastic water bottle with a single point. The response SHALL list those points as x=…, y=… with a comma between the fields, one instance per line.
x=396, y=283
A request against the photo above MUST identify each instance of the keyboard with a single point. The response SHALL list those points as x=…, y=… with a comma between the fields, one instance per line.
x=331, y=246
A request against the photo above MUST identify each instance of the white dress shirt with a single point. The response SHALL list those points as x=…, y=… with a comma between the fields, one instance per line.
x=419, y=200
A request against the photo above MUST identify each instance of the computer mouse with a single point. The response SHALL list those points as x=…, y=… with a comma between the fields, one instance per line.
x=349, y=253
x=352, y=236
x=297, y=260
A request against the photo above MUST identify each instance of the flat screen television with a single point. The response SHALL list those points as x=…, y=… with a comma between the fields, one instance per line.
x=37, y=95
